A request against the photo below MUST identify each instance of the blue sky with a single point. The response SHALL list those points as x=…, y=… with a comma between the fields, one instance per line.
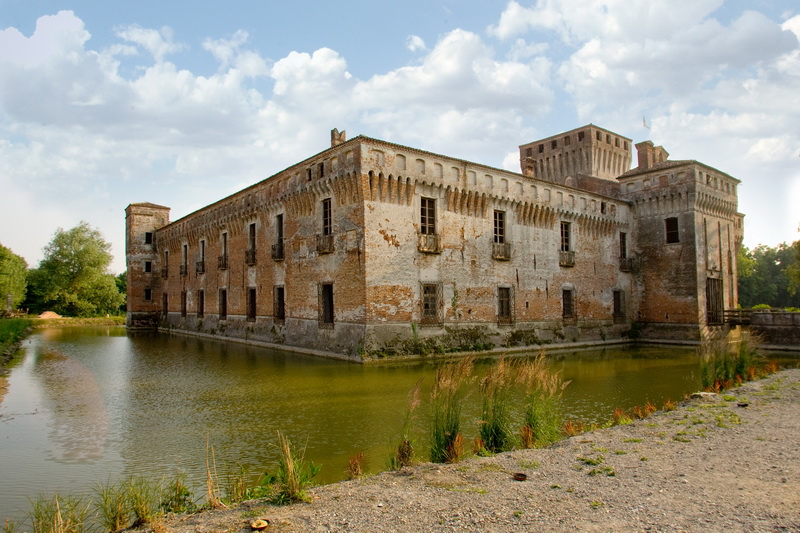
x=180, y=103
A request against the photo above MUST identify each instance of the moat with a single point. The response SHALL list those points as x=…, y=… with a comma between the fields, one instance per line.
x=86, y=405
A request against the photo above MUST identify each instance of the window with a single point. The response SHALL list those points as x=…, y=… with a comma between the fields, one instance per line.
x=185, y=260
x=623, y=245
x=714, y=301
x=553, y=144
x=581, y=135
x=499, y=227
x=529, y=151
x=251, y=304
x=566, y=236
x=200, y=267
x=567, y=303
x=427, y=222
x=148, y=266
x=326, y=303
x=148, y=237
x=327, y=227
x=672, y=230
x=541, y=148
x=223, y=252
x=148, y=295
x=223, y=304
x=504, y=315
x=250, y=253
x=567, y=140
x=619, y=306
x=277, y=248
x=165, y=269
x=165, y=303
x=599, y=136
x=280, y=304
x=602, y=208
x=308, y=174
x=321, y=169
x=183, y=303
x=430, y=303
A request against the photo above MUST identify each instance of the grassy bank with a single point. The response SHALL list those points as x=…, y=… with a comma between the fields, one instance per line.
x=70, y=321
x=12, y=330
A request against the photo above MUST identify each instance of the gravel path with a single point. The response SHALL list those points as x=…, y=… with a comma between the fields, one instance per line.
x=730, y=462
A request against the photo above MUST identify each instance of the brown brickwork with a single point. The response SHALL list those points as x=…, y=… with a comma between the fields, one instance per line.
x=368, y=239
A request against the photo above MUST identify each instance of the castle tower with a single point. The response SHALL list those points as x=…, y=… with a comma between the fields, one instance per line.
x=589, y=151
x=144, y=276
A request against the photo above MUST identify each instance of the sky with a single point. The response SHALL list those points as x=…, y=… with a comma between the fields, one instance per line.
x=181, y=103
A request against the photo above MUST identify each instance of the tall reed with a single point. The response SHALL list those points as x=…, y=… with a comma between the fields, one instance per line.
x=447, y=397
x=404, y=451
x=496, y=387
x=294, y=474
x=111, y=504
x=726, y=362
x=543, y=389
x=59, y=514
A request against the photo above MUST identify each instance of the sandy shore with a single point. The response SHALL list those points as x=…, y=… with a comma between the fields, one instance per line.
x=726, y=463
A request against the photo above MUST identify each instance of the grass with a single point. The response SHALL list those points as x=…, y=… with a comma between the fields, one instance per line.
x=543, y=422
x=496, y=431
x=726, y=363
x=293, y=476
x=59, y=514
x=12, y=330
x=447, y=397
x=355, y=466
x=404, y=451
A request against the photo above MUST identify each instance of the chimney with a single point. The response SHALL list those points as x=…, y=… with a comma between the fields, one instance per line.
x=661, y=155
x=646, y=153
x=337, y=138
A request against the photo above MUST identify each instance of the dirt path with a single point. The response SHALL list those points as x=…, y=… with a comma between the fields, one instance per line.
x=710, y=465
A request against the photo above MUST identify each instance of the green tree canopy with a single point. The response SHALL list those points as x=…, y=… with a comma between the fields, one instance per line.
x=73, y=277
x=764, y=275
x=13, y=278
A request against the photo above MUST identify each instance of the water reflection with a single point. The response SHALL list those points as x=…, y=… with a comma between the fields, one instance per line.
x=91, y=404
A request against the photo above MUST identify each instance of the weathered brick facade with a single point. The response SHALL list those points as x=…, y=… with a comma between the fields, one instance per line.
x=369, y=244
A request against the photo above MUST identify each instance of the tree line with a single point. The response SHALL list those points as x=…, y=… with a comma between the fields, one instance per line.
x=72, y=279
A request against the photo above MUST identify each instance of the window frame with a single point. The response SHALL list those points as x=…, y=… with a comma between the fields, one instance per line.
x=499, y=227
x=430, y=303
x=427, y=215
x=327, y=310
x=505, y=304
x=327, y=217
x=672, y=230
x=222, y=303
x=252, y=304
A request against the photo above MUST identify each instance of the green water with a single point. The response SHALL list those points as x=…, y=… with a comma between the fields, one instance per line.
x=88, y=405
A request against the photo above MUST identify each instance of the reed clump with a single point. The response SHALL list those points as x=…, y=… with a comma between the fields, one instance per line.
x=355, y=466
x=543, y=389
x=496, y=426
x=725, y=363
x=449, y=390
x=404, y=452
x=59, y=514
x=293, y=476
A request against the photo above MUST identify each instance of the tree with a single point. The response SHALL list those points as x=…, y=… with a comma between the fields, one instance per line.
x=764, y=276
x=73, y=277
x=793, y=270
x=13, y=278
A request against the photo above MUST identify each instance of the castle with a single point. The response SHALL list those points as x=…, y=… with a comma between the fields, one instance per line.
x=369, y=244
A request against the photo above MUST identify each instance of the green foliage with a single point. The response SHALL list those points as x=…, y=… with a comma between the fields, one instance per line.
x=542, y=402
x=111, y=504
x=59, y=514
x=13, y=279
x=293, y=476
x=496, y=425
x=73, y=278
x=769, y=275
x=11, y=331
x=447, y=397
x=725, y=363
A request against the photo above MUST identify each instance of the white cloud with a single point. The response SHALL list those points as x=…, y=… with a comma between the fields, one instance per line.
x=415, y=43
x=158, y=43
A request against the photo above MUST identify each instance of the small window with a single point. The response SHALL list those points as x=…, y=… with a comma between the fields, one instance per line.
x=251, y=304
x=616, y=142
x=541, y=148
x=201, y=303
x=427, y=223
x=619, y=305
x=603, y=208
x=148, y=295
x=308, y=174
x=567, y=303
x=623, y=245
x=553, y=144
x=430, y=303
x=280, y=304
x=326, y=303
x=165, y=303
x=148, y=237
x=321, y=169
x=581, y=135
x=567, y=140
x=672, y=230
x=566, y=236
x=499, y=227
x=148, y=266
x=327, y=224
x=223, y=304
x=599, y=136
x=183, y=303
x=529, y=151
x=504, y=314
x=608, y=139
